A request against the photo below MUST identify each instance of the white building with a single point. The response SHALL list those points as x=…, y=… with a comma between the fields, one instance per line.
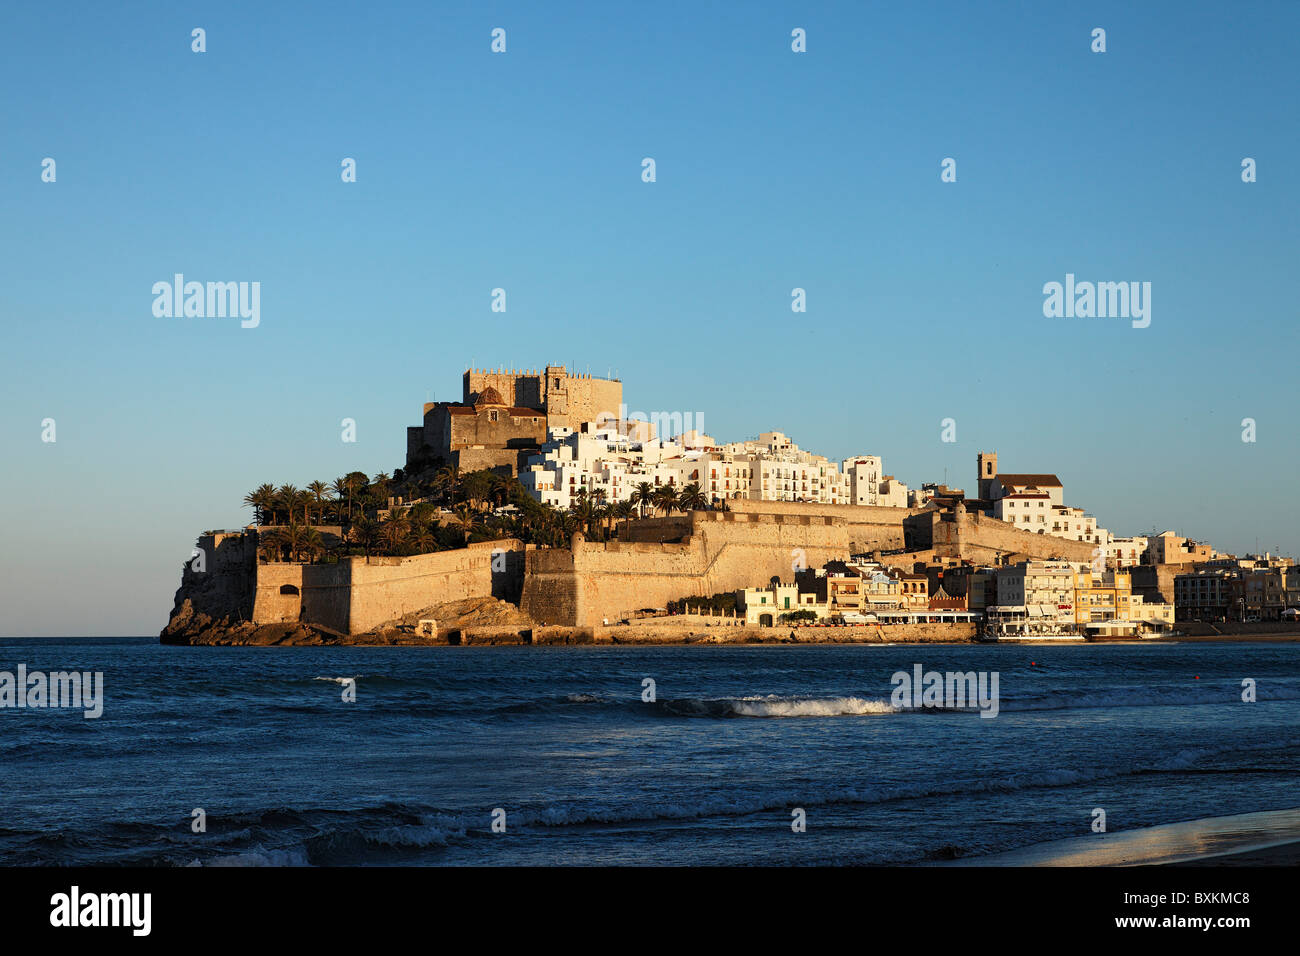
x=610, y=461
x=1046, y=586
x=862, y=479
x=1124, y=552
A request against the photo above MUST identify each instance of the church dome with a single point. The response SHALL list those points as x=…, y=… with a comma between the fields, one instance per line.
x=489, y=396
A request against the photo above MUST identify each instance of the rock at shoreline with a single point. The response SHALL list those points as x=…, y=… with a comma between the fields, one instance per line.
x=192, y=626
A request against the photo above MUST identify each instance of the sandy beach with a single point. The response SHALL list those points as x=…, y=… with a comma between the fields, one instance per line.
x=1267, y=838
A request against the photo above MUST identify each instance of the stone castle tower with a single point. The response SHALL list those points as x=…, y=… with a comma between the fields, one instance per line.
x=988, y=470
x=567, y=399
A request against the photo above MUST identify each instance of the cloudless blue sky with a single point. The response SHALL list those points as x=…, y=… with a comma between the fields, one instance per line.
x=523, y=171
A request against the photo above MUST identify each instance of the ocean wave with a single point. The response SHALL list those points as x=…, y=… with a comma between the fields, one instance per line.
x=851, y=705
x=774, y=705
x=394, y=832
x=296, y=856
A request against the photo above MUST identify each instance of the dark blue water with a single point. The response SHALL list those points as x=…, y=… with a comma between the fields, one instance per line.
x=587, y=772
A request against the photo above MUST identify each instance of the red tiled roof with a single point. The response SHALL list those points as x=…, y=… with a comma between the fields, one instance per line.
x=515, y=412
x=1036, y=481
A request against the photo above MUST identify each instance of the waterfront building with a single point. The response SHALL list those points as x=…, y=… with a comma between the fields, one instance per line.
x=1203, y=595
x=764, y=607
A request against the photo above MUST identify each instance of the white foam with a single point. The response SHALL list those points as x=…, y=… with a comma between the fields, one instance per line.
x=259, y=857
x=774, y=706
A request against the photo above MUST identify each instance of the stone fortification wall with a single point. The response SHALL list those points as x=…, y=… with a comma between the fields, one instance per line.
x=592, y=582
x=358, y=594
x=747, y=546
x=983, y=540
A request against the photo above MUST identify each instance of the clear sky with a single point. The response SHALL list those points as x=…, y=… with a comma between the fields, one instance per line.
x=522, y=170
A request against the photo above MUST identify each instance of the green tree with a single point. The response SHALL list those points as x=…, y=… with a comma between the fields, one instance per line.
x=365, y=532
x=643, y=495
x=393, y=530
x=447, y=480
x=320, y=497
x=665, y=497
x=296, y=539
x=625, y=510
x=262, y=498
x=286, y=500
x=692, y=498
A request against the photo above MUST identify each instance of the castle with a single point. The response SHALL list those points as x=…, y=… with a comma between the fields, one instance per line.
x=504, y=418
x=504, y=414
x=696, y=554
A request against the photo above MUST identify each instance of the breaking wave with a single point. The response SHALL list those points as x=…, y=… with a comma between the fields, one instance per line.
x=774, y=705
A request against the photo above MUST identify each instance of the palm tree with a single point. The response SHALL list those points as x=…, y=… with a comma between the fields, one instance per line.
x=303, y=500
x=394, y=529
x=365, y=532
x=320, y=495
x=447, y=479
x=643, y=495
x=606, y=514
x=296, y=539
x=692, y=498
x=379, y=485
x=477, y=486
x=665, y=497
x=625, y=510
x=286, y=499
x=348, y=485
x=500, y=489
x=422, y=538
x=464, y=521
x=262, y=499
x=313, y=543
x=584, y=510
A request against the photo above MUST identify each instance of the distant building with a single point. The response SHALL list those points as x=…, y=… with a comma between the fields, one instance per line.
x=1035, y=502
x=1170, y=548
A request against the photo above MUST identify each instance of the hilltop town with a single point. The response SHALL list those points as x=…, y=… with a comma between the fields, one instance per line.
x=539, y=510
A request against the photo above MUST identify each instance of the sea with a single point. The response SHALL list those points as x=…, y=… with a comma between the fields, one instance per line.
x=765, y=755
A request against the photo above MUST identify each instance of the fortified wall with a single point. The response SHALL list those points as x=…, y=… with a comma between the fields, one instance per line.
x=710, y=552
x=980, y=539
x=358, y=593
x=697, y=555
x=662, y=559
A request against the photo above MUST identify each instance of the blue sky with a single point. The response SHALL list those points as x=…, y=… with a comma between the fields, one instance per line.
x=522, y=171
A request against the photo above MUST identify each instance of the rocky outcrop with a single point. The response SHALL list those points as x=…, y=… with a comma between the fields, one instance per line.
x=216, y=592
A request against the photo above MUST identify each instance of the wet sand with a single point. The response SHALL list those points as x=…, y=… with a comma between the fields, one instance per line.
x=1267, y=838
